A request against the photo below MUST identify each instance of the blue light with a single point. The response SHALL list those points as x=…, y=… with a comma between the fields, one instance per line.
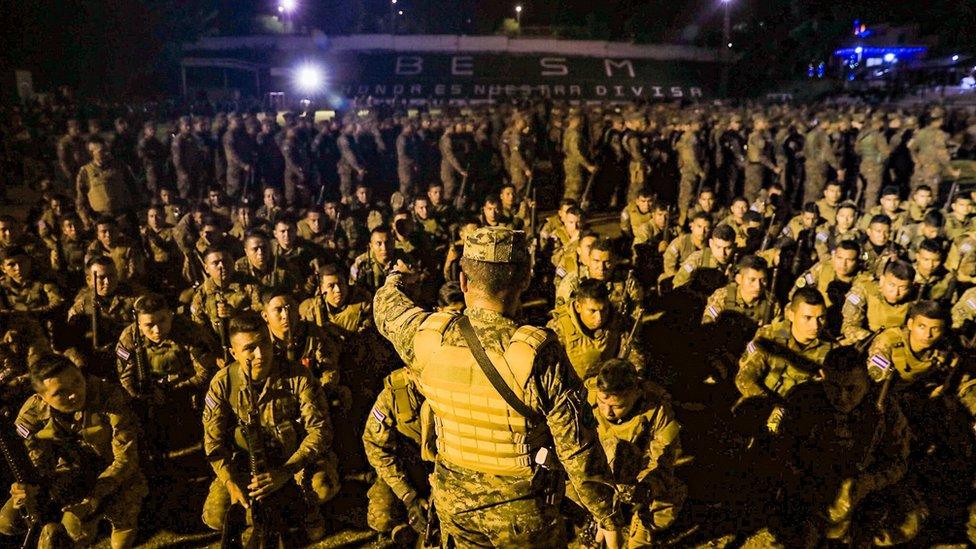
x=890, y=57
x=859, y=50
x=868, y=51
x=955, y=58
x=810, y=71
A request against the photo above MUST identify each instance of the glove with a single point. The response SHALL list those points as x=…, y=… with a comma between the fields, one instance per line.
x=417, y=515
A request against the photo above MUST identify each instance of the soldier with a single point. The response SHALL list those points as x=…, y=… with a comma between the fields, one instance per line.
x=271, y=205
x=223, y=294
x=890, y=206
x=296, y=168
x=433, y=226
x=450, y=164
x=72, y=153
x=152, y=156
x=130, y=261
x=187, y=158
x=590, y=329
x=711, y=264
x=19, y=291
x=931, y=227
x=832, y=194
x=819, y=158
x=370, y=268
x=392, y=438
x=602, y=265
x=102, y=187
x=828, y=236
x=706, y=203
x=349, y=165
x=690, y=165
x=930, y=153
x=239, y=149
x=932, y=280
x=641, y=437
x=575, y=159
x=564, y=239
x=878, y=249
x=732, y=157
x=258, y=267
x=83, y=438
x=114, y=301
x=845, y=456
x=919, y=203
x=759, y=157
x=637, y=212
x=574, y=262
x=295, y=425
x=477, y=491
x=270, y=161
x=681, y=248
x=408, y=149
x=521, y=155
x=735, y=219
x=639, y=165
x=873, y=306
x=746, y=296
x=959, y=220
x=833, y=278
x=786, y=353
x=294, y=254
x=873, y=148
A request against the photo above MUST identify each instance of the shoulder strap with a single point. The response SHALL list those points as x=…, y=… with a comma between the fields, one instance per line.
x=496, y=380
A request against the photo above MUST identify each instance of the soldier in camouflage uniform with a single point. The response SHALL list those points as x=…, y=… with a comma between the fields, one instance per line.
x=83, y=439
x=294, y=419
x=223, y=294
x=845, y=457
x=19, y=291
x=637, y=212
x=959, y=221
x=745, y=296
x=681, y=248
x=932, y=280
x=392, y=438
x=130, y=260
x=833, y=278
x=103, y=187
x=819, y=157
x=485, y=496
x=591, y=330
x=639, y=165
x=575, y=158
x=873, y=148
x=641, y=437
x=689, y=163
x=919, y=203
x=602, y=265
x=258, y=267
x=520, y=153
x=369, y=270
x=711, y=263
x=930, y=153
x=890, y=206
x=759, y=158
x=72, y=153
x=873, y=306
x=451, y=169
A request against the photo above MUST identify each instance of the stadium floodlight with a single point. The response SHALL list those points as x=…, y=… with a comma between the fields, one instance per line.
x=287, y=5
x=955, y=58
x=309, y=79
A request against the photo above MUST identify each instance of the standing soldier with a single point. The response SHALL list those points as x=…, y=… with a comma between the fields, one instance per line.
x=239, y=150
x=103, y=187
x=689, y=154
x=450, y=164
x=186, y=157
x=732, y=156
x=480, y=490
x=873, y=148
x=575, y=159
x=296, y=168
x=930, y=152
x=349, y=164
x=759, y=157
x=521, y=154
x=72, y=152
x=408, y=159
x=639, y=165
x=152, y=156
x=392, y=438
x=819, y=158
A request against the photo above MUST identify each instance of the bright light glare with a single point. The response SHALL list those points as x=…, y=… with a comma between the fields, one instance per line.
x=518, y=9
x=889, y=57
x=859, y=50
x=288, y=5
x=955, y=57
x=309, y=79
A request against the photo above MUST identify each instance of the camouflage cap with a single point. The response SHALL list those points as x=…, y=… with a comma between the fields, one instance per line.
x=496, y=245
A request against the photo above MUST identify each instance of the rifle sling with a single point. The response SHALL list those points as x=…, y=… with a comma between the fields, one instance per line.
x=496, y=380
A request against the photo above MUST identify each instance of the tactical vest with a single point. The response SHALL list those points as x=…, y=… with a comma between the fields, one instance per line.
x=783, y=374
x=880, y=314
x=909, y=366
x=476, y=429
x=406, y=405
x=279, y=417
x=757, y=313
x=584, y=352
x=101, y=197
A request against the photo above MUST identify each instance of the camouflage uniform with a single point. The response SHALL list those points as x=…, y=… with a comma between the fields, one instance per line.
x=701, y=260
x=33, y=296
x=91, y=453
x=930, y=152
x=297, y=431
x=620, y=294
x=574, y=162
x=238, y=294
x=689, y=164
x=392, y=438
x=631, y=217
x=22, y=342
x=485, y=496
x=774, y=362
x=102, y=190
x=677, y=252
x=271, y=277
x=728, y=300
x=585, y=348
x=181, y=361
x=641, y=452
x=450, y=165
x=315, y=349
x=116, y=312
x=759, y=156
x=954, y=228
x=873, y=148
x=827, y=238
x=866, y=312
x=129, y=261
x=818, y=157
x=827, y=211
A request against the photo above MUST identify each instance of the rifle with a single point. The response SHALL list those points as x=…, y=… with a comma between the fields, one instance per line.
x=144, y=388
x=532, y=226
x=628, y=343
x=585, y=197
x=248, y=182
x=459, y=199
x=222, y=330
x=767, y=238
x=43, y=511
x=96, y=313
x=432, y=534
x=952, y=192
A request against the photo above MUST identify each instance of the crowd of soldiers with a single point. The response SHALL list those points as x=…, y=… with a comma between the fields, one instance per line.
x=779, y=339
